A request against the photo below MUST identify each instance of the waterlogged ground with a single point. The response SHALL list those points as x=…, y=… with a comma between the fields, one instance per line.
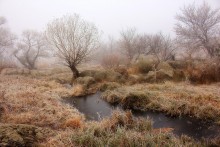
x=96, y=108
x=32, y=112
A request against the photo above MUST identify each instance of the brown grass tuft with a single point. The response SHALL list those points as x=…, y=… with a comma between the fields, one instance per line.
x=73, y=123
x=79, y=90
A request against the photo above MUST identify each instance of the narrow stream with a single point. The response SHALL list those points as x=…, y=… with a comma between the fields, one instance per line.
x=95, y=108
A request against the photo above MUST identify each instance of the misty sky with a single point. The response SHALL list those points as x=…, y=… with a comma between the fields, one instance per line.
x=149, y=16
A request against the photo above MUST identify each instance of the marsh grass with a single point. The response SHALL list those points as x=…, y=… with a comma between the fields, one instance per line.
x=31, y=101
x=36, y=100
x=109, y=86
x=174, y=99
x=122, y=130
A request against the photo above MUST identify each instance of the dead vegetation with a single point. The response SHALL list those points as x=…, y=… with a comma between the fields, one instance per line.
x=175, y=99
x=30, y=101
x=35, y=100
x=121, y=129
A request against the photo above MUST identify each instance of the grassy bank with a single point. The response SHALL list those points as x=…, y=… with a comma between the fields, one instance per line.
x=173, y=98
x=36, y=104
x=32, y=112
x=124, y=131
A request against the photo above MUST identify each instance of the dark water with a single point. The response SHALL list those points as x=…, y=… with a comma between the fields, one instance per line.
x=95, y=108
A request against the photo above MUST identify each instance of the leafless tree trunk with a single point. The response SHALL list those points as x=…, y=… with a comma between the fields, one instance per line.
x=74, y=40
x=199, y=26
x=30, y=48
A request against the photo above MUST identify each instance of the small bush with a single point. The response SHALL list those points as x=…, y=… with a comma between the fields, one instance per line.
x=178, y=64
x=135, y=100
x=144, y=66
x=101, y=75
x=110, y=61
x=204, y=73
x=73, y=123
x=133, y=79
x=121, y=129
x=127, y=97
x=85, y=81
x=122, y=70
x=109, y=86
x=179, y=75
x=113, y=97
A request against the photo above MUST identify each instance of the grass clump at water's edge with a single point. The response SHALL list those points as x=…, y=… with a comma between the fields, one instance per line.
x=173, y=99
x=36, y=101
x=121, y=129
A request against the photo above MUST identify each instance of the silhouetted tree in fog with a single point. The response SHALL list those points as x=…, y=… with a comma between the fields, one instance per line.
x=161, y=46
x=74, y=40
x=199, y=26
x=132, y=44
x=6, y=37
x=30, y=48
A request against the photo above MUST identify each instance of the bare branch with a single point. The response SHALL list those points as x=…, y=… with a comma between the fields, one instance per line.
x=198, y=26
x=74, y=39
x=30, y=48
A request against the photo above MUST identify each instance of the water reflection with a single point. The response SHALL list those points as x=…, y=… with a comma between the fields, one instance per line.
x=95, y=108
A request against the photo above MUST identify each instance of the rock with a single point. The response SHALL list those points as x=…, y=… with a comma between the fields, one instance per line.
x=21, y=135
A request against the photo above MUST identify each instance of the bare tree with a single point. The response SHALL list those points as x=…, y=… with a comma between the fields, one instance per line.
x=74, y=40
x=199, y=26
x=30, y=48
x=110, y=57
x=128, y=42
x=6, y=37
x=133, y=44
x=161, y=46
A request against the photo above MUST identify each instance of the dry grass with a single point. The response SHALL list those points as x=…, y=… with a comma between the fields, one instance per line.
x=36, y=100
x=76, y=122
x=79, y=90
x=202, y=101
x=121, y=130
x=31, y=101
